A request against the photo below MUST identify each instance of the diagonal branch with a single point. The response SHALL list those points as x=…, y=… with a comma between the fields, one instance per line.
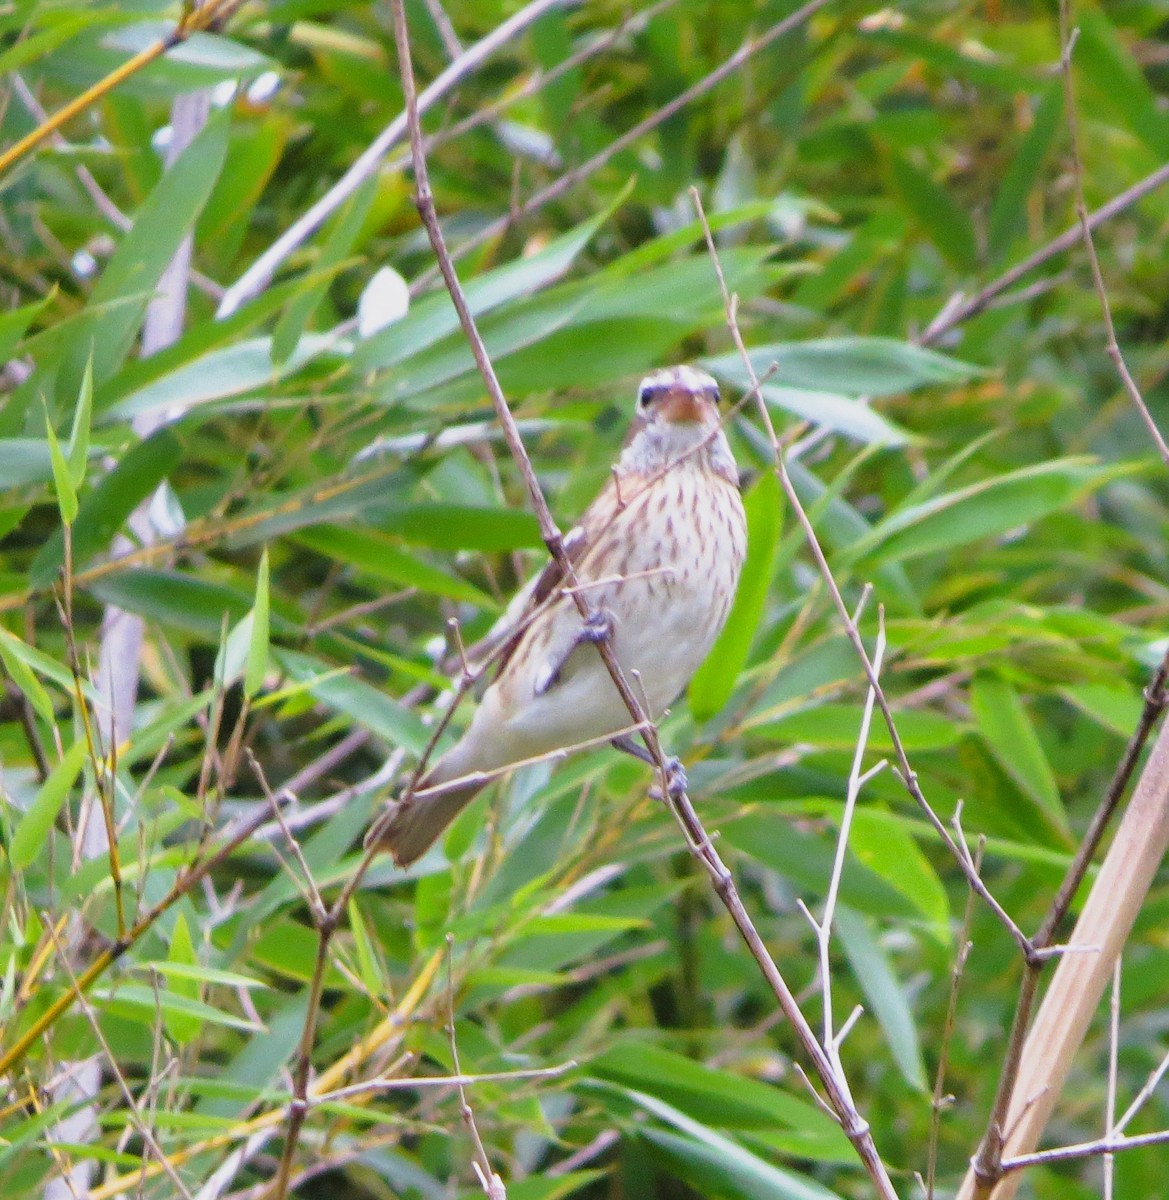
x=257, y=277
x=853, y=1125
x=567, y=181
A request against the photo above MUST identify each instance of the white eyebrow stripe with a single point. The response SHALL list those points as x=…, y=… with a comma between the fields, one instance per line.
x=686, y=376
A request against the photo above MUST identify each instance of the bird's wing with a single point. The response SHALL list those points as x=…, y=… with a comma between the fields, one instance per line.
x=501, y=640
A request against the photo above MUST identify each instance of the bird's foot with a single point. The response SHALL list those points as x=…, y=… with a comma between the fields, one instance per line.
x=596, y=629
x=676, y=781
x=598, y=626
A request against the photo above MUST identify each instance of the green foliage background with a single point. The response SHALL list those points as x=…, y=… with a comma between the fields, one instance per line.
x=997, y=490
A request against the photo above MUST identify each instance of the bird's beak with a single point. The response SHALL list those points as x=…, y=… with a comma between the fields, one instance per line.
x=683, y=406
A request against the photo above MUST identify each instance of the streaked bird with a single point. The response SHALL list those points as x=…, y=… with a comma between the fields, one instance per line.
x=658, y=554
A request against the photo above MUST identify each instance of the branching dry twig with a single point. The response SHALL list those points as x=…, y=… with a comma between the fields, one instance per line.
x=905, y=772
x=939, y=1095
x=854, y=1127
x=1038, y=1055
x=832, y=1039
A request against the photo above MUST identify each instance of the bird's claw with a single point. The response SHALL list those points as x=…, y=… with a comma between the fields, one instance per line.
x=598, y=626
x=676, y=781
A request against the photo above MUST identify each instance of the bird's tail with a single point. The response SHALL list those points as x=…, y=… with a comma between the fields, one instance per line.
x=418, y=821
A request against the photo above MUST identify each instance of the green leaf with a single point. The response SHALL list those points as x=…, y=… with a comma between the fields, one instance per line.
x=369, y=967
x=886, y=996
x=78, y=455
x=1115, y=708
x=835, y=726
x=24, y=461
x=546, y=1187
x=1118, y=81
x=1008, y=214
x=62, y=479
x=932, y=208
x=220, y=375
x=22, y=676
x=199, y=344
x=1007, y=729
x=840, y=527
x=32, y=830
x=434, y=318
x=714, y=681
x=459, y=526
x=985, y=509
x=106, y=507
x=713, y=1096
x=141, y=1004
x=715, y=1165
x=198, y=60
x=368, y=706
x=827, y=410
x=234, y=648
x=196, y=971
x=881, y=841
x=337, y=243
x=804, y=859
x=257, y=663
x=382, y=557
x=182, y=1026
x=135, y=268
x=15, y=321
x=42, y=43
x=49, y=668
x=852, y=366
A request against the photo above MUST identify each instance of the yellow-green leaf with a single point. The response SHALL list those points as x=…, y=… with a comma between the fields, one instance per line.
x=257, y=663
x=32, y=832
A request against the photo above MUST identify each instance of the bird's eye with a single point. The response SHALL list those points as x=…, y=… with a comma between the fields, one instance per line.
x=645, y=395
x=717, y=395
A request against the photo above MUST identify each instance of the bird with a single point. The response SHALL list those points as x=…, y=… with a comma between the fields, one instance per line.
x=658, y=554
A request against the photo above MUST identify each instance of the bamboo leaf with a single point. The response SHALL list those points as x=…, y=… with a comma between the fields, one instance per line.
x=34, y=827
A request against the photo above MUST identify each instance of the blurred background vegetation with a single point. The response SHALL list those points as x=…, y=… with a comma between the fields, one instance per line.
x=319, y=496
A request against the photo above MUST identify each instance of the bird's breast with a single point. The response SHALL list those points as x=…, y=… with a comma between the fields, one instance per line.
x=674, y=556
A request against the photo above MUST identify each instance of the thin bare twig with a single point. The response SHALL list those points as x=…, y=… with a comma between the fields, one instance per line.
x=136, y=1117
x=1017, y=1078
x=490, y=1182
x=959, y=309
x=421, y=1082
x=1067, y=43
x=831, y=1039
x=1035, y=1071
x=486, y=113
x=939, y=1096
x=1102, y=1146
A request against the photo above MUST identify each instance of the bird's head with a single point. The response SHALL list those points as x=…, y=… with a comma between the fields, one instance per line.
x=678, y=396
x=677, y=419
